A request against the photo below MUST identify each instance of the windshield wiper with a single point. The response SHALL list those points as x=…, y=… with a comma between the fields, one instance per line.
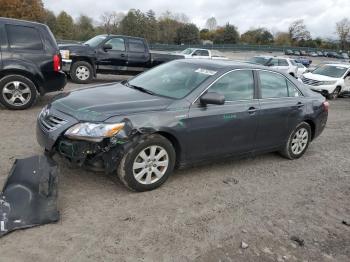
x=144, y=90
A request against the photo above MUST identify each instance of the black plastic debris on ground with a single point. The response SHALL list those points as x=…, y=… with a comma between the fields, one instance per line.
x=298, y=240
x=29, y=196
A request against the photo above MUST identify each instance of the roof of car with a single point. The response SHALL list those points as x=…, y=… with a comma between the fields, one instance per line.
x=17, y=21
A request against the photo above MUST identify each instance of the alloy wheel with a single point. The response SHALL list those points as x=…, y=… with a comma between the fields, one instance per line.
x=150, y=165
x=82, y=73
x=16, y=93
x=299, y=141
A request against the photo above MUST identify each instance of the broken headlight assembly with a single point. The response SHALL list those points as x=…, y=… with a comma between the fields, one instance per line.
x=94, y=132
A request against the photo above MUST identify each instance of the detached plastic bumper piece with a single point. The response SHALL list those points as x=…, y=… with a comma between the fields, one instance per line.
x=29, y=196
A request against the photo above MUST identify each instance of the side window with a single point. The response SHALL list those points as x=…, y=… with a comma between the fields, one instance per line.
x=282, y=62
x=237, y=85
x=204, y=53
x=273, y=85
x=118, y=44
x=136, y=46
x=273, y=62
x=24, y=37
x=292, y=90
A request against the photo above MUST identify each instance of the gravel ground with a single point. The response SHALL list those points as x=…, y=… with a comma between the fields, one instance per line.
x=202, y=213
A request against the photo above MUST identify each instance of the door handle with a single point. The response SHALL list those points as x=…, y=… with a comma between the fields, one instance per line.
x=122, y=55
x=299, y=105
x=252, y=110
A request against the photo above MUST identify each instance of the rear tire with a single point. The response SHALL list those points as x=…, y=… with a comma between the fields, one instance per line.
x=141, y=170
x=298, y=142
x=81, y=72
x=17, y=92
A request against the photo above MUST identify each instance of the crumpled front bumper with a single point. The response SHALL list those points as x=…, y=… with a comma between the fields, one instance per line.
x=29, y=196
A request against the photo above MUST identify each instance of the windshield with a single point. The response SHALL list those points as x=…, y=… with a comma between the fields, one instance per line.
x=95, y=41
x=259, y=60
x=294, y=63
x=331, y=71
x=175, y=79
x=187, y=51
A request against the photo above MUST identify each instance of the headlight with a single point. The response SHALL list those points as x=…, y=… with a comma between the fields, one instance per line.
x=93, y=132
x=328, y=82
x=65, y=54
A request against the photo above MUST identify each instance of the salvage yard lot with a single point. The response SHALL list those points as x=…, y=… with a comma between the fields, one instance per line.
x=202, y=213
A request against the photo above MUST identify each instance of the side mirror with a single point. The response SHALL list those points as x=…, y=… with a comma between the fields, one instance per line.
x=212, y=98
x=107, y=47
x=194, y=54
x=269, y=64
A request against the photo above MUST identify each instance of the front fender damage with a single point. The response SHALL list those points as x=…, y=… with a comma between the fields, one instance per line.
x=103, y=156
x=29, y=196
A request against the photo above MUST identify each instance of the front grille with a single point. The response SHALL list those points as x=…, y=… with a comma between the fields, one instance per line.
x=310, y=82
x=51, y=123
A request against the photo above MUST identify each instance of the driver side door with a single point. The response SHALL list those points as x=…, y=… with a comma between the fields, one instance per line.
x=114, y=59
x=217, y=130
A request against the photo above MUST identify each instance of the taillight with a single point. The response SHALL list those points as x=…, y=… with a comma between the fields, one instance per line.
x=326, y=106
x=56, y=63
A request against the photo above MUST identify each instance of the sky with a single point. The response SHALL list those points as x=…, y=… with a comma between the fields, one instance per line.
x=320, y=16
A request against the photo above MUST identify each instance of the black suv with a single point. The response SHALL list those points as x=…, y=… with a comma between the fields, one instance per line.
x=30, y=63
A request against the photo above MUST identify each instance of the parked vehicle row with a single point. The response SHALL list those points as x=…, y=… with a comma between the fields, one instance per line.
x=30, y=63
x=331, y=54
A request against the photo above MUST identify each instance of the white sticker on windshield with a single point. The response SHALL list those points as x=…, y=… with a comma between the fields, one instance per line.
x=206, y=71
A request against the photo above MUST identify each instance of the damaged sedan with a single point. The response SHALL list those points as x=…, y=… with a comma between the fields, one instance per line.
x=179, y=114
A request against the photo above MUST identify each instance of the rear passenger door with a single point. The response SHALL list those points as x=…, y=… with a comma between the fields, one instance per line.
x=216, y=130
x=281, y=109
x=138, y=55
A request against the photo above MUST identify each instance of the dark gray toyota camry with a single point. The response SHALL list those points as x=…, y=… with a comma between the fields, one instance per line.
x=181, y=113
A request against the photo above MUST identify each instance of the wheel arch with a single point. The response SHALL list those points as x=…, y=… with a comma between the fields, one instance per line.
x=175, y=142
x=85, y=59
x=37, y=82
x=312, y=126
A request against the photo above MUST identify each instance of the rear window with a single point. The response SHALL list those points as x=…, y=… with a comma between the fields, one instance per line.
x=24, y=37
x=136, y=46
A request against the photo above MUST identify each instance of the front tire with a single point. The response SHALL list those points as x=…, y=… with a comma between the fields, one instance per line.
x=81, y=72
x=335, y=94
x=17, y=92
x=147, y=164
x=298, y=142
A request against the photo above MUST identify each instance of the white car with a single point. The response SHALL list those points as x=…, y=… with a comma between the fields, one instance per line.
x=284, y=64
x=202, y=54
x=301, y=69
x=331, y=80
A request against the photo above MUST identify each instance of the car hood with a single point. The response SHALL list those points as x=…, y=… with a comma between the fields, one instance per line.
x=102, y=102
x=76, y=48
x=319, y=77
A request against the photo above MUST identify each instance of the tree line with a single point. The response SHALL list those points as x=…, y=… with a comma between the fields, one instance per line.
x=168, y=28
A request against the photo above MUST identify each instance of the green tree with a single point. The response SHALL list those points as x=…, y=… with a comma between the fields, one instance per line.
x=167, y=32
x=32, y=10
x=259, y=36
x=227, y=35
x=187, y=34
x=65, y=26
x=50, y=20
x=84, y=28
